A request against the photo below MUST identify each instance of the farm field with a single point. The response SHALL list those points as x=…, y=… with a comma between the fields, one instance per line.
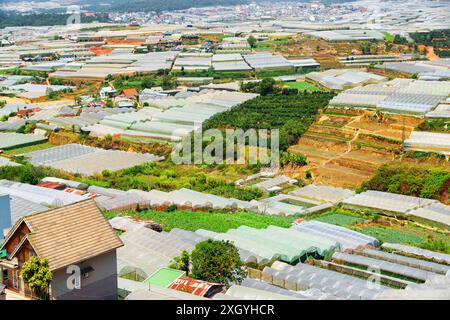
x=214, y=221
x=345, y=147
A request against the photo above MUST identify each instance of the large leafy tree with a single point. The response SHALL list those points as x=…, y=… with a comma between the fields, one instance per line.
x=37, y=275
x=217, y=261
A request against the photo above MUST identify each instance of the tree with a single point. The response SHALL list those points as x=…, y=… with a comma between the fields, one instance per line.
x=181, y=262
x=37, y=275
x=266, y=86
x=109, y=103
x=148, y=82
x=251, y=41
x=217, y=261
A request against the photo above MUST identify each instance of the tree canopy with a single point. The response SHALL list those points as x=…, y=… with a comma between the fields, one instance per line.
x=37, y=275
x=217, y=261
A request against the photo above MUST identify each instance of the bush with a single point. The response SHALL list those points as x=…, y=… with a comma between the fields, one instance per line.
x=413, y=180
x=292, y=158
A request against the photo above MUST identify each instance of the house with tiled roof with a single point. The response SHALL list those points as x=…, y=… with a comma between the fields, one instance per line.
x=130, y=93
x=79, y=244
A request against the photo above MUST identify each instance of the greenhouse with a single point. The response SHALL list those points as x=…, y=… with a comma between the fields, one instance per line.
x=323, y=193
x=348, y=239
x=311, y=294
x=267, y=60
x=387, y=201
x=63, y=152
x=148, y=251
x=400, y=248
x=435, y=212
x=304, y=277
x=406, y=261
x=386, y=266
x=238, y=292
x=21, y=207
x=275, y=242
x=16, y=140
x=429, y=141
x=85, y=160
x=39, y=195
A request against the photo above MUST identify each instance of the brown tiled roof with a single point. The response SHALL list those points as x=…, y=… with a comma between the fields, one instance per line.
x=71, y=234
x=130, y=92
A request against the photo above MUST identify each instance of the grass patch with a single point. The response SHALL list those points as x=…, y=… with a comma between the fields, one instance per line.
x=342, y=220
x=390, y=235
x=214, y=221
x=388, y=36
x=304, y=86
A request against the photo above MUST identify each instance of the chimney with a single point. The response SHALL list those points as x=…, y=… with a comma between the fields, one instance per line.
x=5, y=214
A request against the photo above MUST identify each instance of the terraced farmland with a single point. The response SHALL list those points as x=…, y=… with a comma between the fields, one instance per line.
x=345, y=147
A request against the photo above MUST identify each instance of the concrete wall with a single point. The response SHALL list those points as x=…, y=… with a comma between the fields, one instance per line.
x=101, y=284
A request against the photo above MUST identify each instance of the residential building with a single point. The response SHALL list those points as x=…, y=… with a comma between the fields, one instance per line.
x=78, y=243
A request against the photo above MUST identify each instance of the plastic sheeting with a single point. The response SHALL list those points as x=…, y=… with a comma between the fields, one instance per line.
x=274, y=242
x=391, y=267
x=348, y=239
x=323, y=193
x=387, y=201
x=340, y=285
x=407, y=261
x=311, y=294
x=437, y=256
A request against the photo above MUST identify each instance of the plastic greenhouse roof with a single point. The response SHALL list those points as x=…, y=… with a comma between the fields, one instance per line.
x=247, y=293
x=310, y=294
x=435, y=212
x=345, y=237
x=418, y=252
x=310, y=277
x=383, y=265
x=11, y=140
x=407, y=261
x=387, y=201
x=323, y=193
x=40, y=195
x=274, y=242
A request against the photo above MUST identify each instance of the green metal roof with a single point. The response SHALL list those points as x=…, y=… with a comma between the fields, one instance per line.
x=164, y=277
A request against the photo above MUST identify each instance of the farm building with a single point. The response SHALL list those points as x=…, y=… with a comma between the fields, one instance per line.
x=55, y=235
